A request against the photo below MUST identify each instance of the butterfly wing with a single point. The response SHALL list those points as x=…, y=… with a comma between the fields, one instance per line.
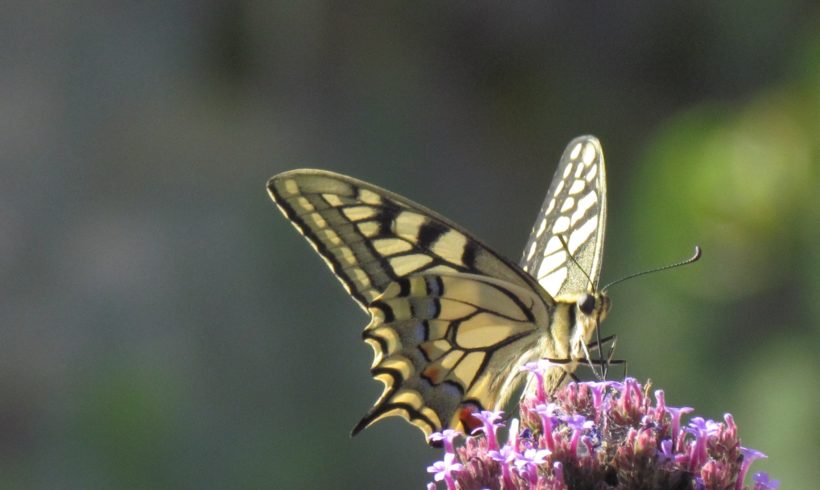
x=370, y=237
x=449, y=345
x=575, y=210
x=451, y=319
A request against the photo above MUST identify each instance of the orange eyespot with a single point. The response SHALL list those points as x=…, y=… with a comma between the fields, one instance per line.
x=468, y=419
x=432, y=374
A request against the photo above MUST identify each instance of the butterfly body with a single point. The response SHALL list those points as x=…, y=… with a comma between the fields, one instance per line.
x=574, y=322
x=451, y=320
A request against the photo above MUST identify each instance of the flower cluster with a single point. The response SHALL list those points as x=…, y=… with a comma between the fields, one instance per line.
x=607, y=435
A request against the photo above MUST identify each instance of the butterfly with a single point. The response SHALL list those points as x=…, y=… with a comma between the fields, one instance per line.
x=452, y=321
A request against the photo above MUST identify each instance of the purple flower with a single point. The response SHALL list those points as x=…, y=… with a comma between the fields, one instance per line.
x=527, y=463
x=506, y=454
x=575, y=421
x=676, y=415
x=537, y=369
x=749, y=455
x=598, y=389
x=660, y=405
x=546, y=414
x=443, y=470
x=488, y=419
x=531, y=456
x=446, y=436
x=578, y=423
x=505, y=457
x=514, y=437
x=762, y=481
x=697, y=452
x=666, y=449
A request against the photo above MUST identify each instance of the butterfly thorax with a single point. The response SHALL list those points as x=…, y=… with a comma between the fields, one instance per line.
x=574, y=322
x=570, y=328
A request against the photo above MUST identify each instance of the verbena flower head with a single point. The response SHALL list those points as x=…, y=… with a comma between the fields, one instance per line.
x=603, y=435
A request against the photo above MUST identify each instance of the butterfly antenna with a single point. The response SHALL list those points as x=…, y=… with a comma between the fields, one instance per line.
x=569, y=254
x=691, y=260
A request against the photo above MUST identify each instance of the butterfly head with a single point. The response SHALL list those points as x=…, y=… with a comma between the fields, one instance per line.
x=591, y=308
x=594, y=306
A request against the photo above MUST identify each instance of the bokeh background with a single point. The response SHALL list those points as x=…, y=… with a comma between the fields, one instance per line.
x=162, y=326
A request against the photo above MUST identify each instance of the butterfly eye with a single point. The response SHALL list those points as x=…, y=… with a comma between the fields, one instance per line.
x=587, y=304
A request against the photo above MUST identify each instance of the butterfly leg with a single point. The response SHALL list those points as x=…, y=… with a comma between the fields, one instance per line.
x=590, y=363
x=610, y=354
x=598, y=345
x=599, y=342
x=619, y=362
x=594, y=346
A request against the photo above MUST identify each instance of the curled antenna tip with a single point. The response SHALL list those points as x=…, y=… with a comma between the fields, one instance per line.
x=694, y=258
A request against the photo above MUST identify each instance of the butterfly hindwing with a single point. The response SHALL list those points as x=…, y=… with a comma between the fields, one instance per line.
x=575, y=210
x=446, y=345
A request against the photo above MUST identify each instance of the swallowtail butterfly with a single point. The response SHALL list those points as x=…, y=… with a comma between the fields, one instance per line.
x=452, y=320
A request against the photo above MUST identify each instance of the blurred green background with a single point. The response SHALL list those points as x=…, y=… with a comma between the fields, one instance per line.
x=162, y=326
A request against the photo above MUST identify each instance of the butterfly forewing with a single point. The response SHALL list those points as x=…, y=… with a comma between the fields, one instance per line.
x=575, y=210
x=370, y=237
